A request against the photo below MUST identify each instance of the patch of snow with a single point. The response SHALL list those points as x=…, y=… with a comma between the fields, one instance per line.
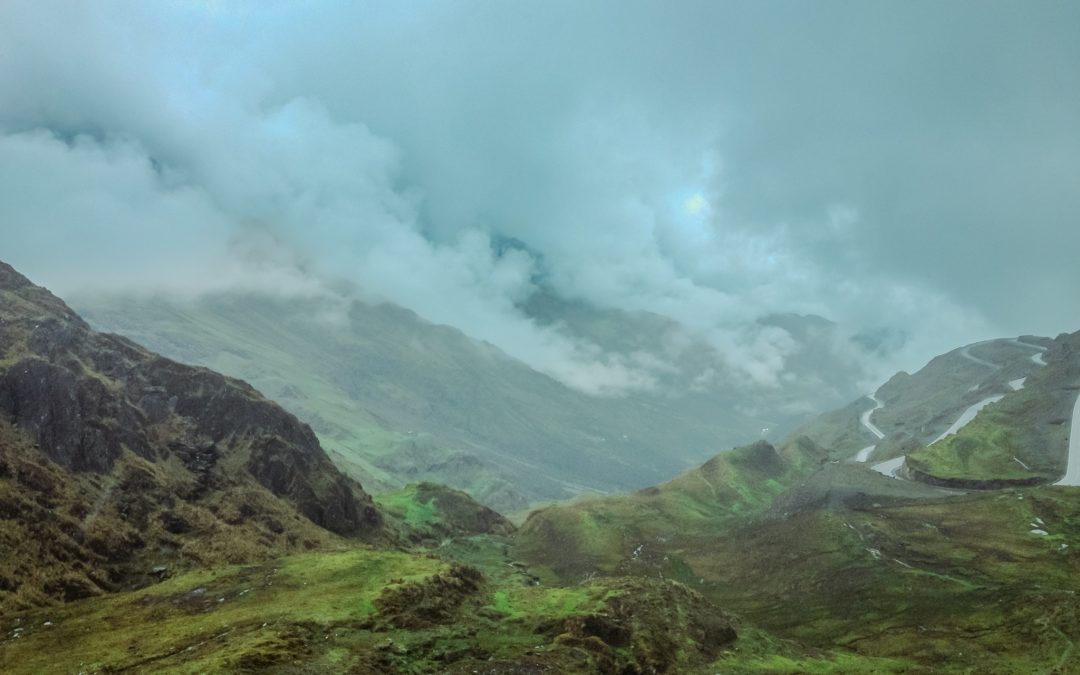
x=865, y=419
x=1037, y=359
x=1017, y=384
x=1041, y=533
x=864, y=454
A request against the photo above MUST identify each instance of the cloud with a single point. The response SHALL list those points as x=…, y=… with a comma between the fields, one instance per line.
x=892, y=169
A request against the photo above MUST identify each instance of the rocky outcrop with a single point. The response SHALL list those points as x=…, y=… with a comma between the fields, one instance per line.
x=86, y=398
x=914, y=472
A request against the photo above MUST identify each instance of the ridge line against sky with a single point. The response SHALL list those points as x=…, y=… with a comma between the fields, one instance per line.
x=906, y=169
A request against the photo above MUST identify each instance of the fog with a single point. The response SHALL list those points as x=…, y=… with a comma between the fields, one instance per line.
x=907, y=170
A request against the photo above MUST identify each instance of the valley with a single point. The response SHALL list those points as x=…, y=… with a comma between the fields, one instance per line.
x=710, y=337
x=169, y=519
x=395, y=399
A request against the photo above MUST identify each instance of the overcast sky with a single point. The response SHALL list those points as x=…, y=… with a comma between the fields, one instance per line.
x=907, y=166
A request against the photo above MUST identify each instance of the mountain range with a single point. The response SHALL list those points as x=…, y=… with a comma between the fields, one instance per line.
x=160, y=517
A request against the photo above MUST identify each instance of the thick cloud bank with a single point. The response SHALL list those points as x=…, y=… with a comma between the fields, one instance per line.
x=903, y=170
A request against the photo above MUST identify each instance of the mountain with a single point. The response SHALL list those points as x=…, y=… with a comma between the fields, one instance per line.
x=397, y=400
x=157, y=517
x=163, y=518
x=990, y=414
x=953, y=565
x=117, y=464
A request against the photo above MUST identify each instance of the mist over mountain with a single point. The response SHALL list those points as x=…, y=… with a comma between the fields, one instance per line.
x=162, y=517
x=460, y=161
x=396, y=399
x=546, y=336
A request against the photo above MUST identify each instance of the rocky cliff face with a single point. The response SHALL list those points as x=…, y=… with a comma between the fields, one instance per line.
x=102, y=411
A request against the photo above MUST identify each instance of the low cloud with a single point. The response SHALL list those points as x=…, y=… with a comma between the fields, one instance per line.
x=189, y=148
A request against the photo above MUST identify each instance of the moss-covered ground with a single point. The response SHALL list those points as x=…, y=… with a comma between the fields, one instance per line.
x=984, y=450
x=1023, y=437
x=983, y=582
x=206, y=621
x=369, y=611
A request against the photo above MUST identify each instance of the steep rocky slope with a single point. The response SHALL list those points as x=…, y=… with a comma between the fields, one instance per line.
x=115, y=461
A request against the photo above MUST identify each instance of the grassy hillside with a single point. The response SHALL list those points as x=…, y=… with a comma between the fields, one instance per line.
x=917, y=407
x=764, y=559
x=621, y=533
x=363, y=610
x=431, y=513
x=1021, y=438
x=847, y=559
x=924, y=404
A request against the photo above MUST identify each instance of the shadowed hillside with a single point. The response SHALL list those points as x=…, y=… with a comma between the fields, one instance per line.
x=116, y=462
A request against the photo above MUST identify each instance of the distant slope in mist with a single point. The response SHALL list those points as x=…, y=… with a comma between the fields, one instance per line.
x=396, y=399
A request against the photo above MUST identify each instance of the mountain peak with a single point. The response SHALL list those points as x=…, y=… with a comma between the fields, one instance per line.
x=10, y=279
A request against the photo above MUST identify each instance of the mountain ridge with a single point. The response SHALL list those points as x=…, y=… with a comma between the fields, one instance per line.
x=147, y=457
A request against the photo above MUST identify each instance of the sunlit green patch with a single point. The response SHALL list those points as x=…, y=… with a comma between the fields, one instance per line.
x=202, y=621
x=406, y=505
x=985, y=449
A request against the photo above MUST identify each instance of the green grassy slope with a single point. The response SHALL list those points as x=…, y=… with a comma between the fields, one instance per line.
x=362, y=610
x=855, y=562
x=615, y=534
x=926, y=403
x=432, y=513
x=1022, y=437
x=1028, y=424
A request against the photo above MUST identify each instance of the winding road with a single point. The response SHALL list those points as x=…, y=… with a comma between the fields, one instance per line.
x=966, y=353
x=864, y=454
x=966, y=417
x=1016, y=385
x=865, y=419
x=1072, y=463
x=1037, y=357
x=1072, y=460
x=890, y=467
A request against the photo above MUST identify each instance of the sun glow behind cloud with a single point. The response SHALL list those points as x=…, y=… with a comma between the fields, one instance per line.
x=696, y=205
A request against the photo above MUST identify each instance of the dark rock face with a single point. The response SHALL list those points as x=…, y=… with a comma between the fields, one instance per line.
x=69, y=417
x=86, y=397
